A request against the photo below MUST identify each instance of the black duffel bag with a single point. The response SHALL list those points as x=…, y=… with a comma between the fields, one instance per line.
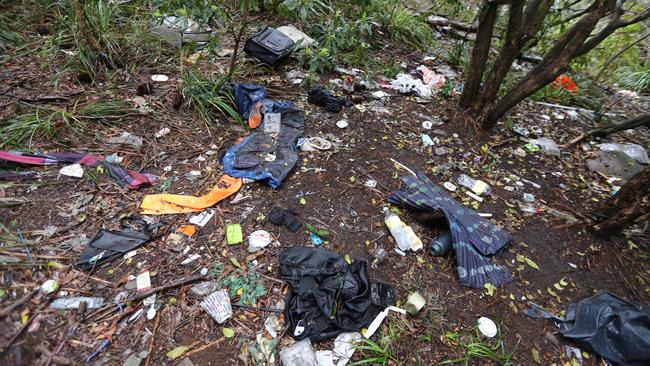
x=269, y=46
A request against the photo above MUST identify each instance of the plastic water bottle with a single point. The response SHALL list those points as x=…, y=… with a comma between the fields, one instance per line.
x=441, y=244
x=404, y=235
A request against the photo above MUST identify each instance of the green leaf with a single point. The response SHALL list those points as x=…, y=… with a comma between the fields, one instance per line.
x=536, y=357
x=235, y=262
x=322, y=233
x=303, y=201
x=177, y=352
x=348, y=259
x=490, y=289
x=228, y=332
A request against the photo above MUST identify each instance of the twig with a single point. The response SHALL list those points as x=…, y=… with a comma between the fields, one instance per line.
x=153, y=338
x=4, y=312
x=207, y=345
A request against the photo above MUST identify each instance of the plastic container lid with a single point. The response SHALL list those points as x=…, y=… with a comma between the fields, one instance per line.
x=487, y=327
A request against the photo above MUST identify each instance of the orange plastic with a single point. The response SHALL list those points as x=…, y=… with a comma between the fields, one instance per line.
x=159, y=204
x=188, y=230
x=565, y=81
x=255, y=118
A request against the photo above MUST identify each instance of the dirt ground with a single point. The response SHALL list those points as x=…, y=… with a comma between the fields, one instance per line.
x=334, y=198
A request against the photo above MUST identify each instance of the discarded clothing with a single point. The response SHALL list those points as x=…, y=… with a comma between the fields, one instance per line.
x=252, y=103
x=268, y=156
x=122, y=176
x=474, y=238
x=269, y=46
x=323, y=98
x=279, y=216
x=159, y=204
x=107, y=245
x=608, y=325
x=180, y=30
x=328, y=296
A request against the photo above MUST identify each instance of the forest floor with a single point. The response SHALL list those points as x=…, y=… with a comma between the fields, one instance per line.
x=58, y=214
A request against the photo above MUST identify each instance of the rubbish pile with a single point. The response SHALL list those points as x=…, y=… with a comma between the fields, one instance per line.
x=474, y=238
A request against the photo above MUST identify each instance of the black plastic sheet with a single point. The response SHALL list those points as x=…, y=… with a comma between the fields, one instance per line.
x=474, y=238
x=327, y=295
x=608, y=325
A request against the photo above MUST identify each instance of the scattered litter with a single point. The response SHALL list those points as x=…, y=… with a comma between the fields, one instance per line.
x=49, y=286
x=403, y=234
x=372, y=328
x=300, y=39
x=191, y=259
x=634, y=151
x=300, y=354
x=547, y=145
x=75, y=302
x=159, y=204
x=108, y=245
x=414, y=303
x=477, y=198
x=74, y=170
x=357, y=301
x=313, y=144
x=287, y=217
x=521, y=130
x=427, y=125
x=188, y=230
x=427, y=140
x=342, y=123
x=180, y=30
x=316, y=239
x=476, y=185
x=487, y=327
x=126, y=138
x=163, y=132
x=379, y=94
x=218, y=306
x=370, y=183
x=323, y=98
x=407, y=84
x=158, y=78
x=378, y=256
x=204, y=288
x=474, y=267
x=135, y=359
x=234, y=234
x=202, y=218
x=258, y=239
x=450, y=186
x=143, y=281
x=529, y=197
x=124, y=177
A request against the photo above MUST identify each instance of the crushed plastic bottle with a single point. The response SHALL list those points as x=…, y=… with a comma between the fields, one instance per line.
x=403, y=234
x=477, y=186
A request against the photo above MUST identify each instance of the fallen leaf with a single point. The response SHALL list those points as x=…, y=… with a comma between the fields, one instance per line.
x=536, y=357
x=177, y=352
x=490, y=289
x=228, y=333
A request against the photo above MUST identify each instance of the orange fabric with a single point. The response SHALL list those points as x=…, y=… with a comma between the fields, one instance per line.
x=565, y=81
x=255, y=118
x=159, y=204
x=188, y=230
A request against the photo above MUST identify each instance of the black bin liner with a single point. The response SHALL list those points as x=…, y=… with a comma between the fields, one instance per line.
x=327, y=295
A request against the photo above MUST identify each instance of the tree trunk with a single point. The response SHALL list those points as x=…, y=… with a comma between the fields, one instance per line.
x=487, y=18
x=629, y=205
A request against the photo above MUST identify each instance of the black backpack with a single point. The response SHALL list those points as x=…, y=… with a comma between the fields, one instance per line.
x=269, y=46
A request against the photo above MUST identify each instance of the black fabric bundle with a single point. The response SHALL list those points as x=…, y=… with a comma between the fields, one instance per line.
x=287, y=217
x=327, y=295
x=323, y=98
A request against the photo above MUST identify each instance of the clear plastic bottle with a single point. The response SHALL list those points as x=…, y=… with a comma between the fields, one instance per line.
x=404, y=235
